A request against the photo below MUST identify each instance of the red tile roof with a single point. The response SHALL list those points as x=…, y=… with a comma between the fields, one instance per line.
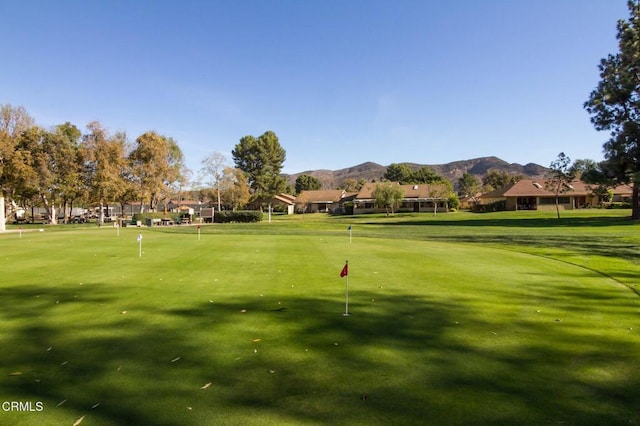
x=536, y=188
x=413, y=191
x=321, y=196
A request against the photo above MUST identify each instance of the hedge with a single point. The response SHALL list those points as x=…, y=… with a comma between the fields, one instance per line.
x=225, y=216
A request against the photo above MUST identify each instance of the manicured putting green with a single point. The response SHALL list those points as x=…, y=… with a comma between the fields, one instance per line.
x=249, y=329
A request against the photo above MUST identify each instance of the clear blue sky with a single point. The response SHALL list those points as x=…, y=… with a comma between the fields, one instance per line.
x=341, y=82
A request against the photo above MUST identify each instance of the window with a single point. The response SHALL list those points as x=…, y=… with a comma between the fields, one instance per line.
x=552, y=200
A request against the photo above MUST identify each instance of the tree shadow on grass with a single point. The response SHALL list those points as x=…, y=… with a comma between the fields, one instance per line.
x=398, y=358
x=538, y=222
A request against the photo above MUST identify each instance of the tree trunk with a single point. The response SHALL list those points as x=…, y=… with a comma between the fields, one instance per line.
x=51, y=210
x=557, y=207
x=2, y=215
x=101, y=215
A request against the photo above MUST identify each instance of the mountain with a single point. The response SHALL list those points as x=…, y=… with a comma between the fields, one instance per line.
x=453, y=171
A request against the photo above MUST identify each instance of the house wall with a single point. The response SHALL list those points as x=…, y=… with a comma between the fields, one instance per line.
x=549, y=203
x=423, y=207
x=318, y=207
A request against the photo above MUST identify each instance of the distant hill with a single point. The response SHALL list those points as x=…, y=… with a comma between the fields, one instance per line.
x=453, y=171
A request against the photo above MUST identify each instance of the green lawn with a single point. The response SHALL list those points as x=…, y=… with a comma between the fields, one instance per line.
x=505, y=318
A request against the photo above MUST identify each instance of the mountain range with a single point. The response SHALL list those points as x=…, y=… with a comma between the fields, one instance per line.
x=453, y=171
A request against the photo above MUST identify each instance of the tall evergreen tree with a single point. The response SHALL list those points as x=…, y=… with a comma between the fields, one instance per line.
x=261, y=160
x=614, y=106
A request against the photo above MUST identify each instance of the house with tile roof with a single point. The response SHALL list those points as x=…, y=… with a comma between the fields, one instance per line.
x=421, y=197
x=315, y=201
x=280, y=202
x=286, y=201
x=528, y=194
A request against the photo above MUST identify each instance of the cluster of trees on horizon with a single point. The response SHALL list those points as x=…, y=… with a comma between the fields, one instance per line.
x=62, y=166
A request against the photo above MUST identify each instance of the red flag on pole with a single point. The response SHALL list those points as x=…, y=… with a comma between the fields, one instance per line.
x=345, y=270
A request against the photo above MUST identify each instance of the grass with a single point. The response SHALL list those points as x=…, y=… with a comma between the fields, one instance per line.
x=455, y=319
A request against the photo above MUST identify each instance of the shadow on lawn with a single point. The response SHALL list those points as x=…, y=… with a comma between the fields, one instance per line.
x=536, y=222
x=398, y=358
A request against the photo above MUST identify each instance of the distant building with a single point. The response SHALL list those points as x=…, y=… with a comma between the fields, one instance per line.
x=528, y=194
x=421, y=197
x=326, y=201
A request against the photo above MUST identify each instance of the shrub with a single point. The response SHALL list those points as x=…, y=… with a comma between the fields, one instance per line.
x=497, y=206
x=239, y=216
x=618, y=205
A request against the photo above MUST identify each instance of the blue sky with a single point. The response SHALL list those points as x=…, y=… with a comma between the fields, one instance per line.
x=341, y=82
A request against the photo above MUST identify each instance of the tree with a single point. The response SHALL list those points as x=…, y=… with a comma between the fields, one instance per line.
x=39, y=153
x=441, y=191
x=561, y=176
x=387, y=195
x=469, y=186
x=596, y=175
x=213, y=168
x=20, y=175
x=68, y=166
x=614, y=106
x=157, y=162
x=426, y=175
x=352, y=185
x=307, y=183
x=104, y=165
x=583, y=167
x=261, y=160
x=496, y=179
x=400, y=173
x=235, y=189
x=13, y=122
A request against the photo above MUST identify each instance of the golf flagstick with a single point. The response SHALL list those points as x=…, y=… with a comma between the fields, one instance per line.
x=140, y=245
x=345, y=273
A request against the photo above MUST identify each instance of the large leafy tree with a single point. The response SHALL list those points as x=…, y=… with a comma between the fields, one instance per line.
x=20, y=175
x=352, y=185
x=400, y=173
x=426, y=175
x=41, y=147
x=157, y=162
x=235, y=189
x=307, y=183
x=387, y=195
x=104, y=162
x=614, y=106
x=68, y=165
x=261, y=160
x=13, y=122
x=496, y=179
x=469, y=186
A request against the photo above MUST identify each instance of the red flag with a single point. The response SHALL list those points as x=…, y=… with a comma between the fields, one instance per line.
x=345, y=270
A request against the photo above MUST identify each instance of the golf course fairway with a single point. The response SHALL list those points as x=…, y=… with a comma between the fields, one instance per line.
x=100, y=328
